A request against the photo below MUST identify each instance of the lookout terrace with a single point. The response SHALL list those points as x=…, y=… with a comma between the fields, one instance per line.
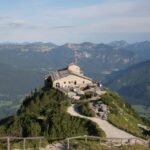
x=73, y=82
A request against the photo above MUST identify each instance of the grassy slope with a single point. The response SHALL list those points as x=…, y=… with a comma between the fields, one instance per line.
x=122, y=115
x=43, y=113
x=85, y=109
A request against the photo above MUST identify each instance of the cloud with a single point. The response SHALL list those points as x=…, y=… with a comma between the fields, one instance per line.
x=113, y=16
x=111, y=9
x=14, y=24
x=61, y=27
x=126, y=24
x=4, y=17
x=45, y=27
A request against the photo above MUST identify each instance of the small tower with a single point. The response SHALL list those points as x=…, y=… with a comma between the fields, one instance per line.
x=74, y=68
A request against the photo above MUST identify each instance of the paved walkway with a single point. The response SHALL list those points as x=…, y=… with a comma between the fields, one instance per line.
x=110, y=130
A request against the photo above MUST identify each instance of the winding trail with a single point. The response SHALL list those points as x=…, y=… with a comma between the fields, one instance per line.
x=110, y=130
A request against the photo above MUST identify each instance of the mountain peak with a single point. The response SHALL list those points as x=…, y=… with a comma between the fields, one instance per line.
x=119, y=44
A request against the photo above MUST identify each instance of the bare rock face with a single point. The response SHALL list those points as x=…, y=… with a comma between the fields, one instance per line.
x=100, y=109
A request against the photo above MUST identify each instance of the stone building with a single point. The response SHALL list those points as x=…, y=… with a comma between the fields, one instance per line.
x=72, y=76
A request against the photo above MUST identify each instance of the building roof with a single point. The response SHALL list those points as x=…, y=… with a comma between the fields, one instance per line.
x=64, y=73
x=55, y=75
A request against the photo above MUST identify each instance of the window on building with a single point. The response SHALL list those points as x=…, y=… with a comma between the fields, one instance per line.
x=64, y=82
x=83, y=81
x=58, y=84
x=75, y=82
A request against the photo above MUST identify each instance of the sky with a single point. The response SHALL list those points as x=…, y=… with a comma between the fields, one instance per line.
x=75, y=21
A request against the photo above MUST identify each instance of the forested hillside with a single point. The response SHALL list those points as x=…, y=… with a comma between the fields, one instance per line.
x=43, y=113
x=134, y=83
x=14, y=85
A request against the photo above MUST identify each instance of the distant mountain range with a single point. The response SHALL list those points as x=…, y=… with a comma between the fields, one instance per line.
x=97, y=60
x=22, y=66
x=133, y=83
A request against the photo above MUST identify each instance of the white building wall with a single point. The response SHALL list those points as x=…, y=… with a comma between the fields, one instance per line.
x=71, y=81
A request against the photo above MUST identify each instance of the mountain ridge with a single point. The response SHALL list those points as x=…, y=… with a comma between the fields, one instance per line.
x=133, y=83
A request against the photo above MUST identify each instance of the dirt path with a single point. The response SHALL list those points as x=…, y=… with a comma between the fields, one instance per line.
x=110, y=130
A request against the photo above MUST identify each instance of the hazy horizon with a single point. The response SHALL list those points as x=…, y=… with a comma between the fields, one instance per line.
x=59, y=44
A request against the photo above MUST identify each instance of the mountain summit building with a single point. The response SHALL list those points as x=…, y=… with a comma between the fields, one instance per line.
x=69, y=77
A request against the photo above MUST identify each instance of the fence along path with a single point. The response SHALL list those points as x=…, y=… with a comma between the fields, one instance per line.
x=111, y=142
x=110, y=130
x=9, y=139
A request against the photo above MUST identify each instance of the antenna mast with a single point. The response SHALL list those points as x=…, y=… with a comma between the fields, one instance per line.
x=76, y=57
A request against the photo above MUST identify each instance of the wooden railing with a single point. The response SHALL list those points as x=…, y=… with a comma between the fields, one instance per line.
x=110, y=141
x=107, y=141
x=9, y=139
